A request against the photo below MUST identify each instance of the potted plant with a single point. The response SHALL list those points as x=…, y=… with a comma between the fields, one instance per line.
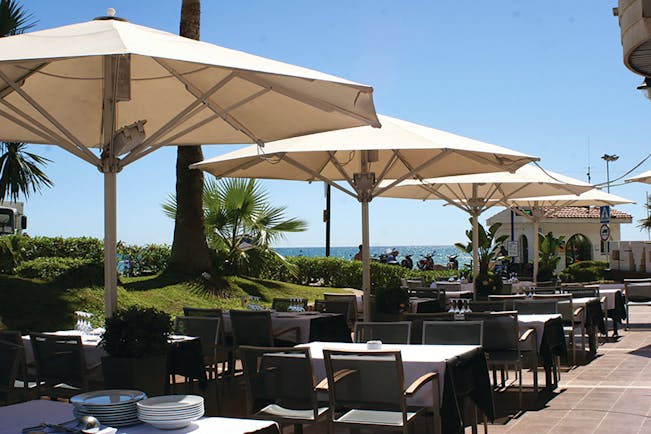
x=136, y=341
x=549, y=256
x=390, y=303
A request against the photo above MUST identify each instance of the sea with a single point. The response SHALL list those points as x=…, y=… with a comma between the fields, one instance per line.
x=440, y=254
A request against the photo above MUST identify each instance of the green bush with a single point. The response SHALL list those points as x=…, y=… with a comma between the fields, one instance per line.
x=137, y=332
x=584, y=271
x=144, y=260
x=9, y=254
x=487, y=284
x=88, y=248
x=391, y=300
x=341, y=273
x=47, y=269
x=86, y=274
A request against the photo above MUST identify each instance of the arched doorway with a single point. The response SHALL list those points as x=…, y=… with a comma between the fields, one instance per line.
x=577, y=248
x=524, y=249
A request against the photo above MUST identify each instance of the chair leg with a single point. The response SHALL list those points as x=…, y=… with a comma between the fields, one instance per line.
x=474, y=418
x=518, y=368
x=628, y=315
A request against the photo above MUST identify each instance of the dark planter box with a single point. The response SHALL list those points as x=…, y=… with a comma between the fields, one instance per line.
x=148, y=374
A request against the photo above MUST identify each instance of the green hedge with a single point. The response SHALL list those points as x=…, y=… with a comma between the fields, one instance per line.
x=144, y=260
x=584, y=271
x=341, y=273
x=91, y=249
x=47, y=268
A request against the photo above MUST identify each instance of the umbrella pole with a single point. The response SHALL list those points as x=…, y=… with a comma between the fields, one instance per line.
x=110, y=241
x=475, y=244
x=366, y=263
x=536, y=249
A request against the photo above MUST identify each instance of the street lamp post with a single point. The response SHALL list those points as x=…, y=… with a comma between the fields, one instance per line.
x=608, y=158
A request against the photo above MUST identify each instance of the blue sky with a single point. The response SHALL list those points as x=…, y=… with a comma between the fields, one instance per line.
x=545, y=78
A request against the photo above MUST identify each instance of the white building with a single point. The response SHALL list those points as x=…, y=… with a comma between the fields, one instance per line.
x=579, y=226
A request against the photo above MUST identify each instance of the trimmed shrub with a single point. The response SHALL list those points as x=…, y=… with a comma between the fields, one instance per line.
x=47, y=268
x=144, y=260
x=88, y=248
x=81, y=276
x=584, y=271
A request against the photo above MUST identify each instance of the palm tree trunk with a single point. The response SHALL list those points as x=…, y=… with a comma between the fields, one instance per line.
x=190, y=254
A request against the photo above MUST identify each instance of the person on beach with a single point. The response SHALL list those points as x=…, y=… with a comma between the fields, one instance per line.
x=358, y=255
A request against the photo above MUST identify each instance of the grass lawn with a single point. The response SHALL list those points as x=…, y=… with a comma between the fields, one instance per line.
x=34, y=305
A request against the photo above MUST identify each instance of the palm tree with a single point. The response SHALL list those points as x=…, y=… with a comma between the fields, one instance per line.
x=240, y=220
x=549, y=257
x=13, y=18
x=190, y=253
x=19, y=169
x=489, y=245
x=645, y=223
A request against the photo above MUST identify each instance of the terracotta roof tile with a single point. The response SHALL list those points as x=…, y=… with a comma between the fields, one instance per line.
x=580, y=212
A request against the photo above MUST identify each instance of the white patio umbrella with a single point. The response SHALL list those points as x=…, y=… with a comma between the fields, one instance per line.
x=362, y=157
x=644, y=177
x=127, y=90
x=479, y=192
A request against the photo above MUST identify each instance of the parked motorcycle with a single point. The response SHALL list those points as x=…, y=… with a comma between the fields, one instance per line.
x=427, y=263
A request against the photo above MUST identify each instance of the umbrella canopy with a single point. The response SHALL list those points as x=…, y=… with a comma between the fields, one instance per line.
x=642, y=177
x=362, y=157
x=594, y=197
x=478, y=192
x=127, y=90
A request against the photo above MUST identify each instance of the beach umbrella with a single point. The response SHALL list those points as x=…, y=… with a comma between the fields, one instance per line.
x=111, y=92
x=642, y=177
x=478, y=192
x=356, y=160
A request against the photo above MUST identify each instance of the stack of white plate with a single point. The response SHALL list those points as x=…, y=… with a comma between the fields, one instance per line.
x=111, y=407
x=170, y=411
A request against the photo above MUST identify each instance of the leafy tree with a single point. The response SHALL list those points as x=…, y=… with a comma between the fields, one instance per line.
x=489, y=245
x=19, y=169
x=645, y=223
x=241, y=223
x=548, y=249
x=190, y=253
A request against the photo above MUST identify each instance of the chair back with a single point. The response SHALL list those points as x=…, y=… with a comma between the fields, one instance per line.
x=278, y=376
x=332, y=306
x=486, y=306
x=15, y=337
x=507, y=299
x=413, y=283
x=582, y=291
x=532, y=307
x=453, y=332
x=417, y=320
x=352, y=303
x=10, y=359
x=202, y=311
x=500, y=330
x=371, y=380
x=284, y=304
x=251, y=328
x=59, y=359
x=207, y=329
x=398, y=332
x=638, y=292
x=564, y=305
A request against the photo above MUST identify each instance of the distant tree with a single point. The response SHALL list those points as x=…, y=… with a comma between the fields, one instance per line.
x=549, y=257
x=645, y=223
x=190, y=253
x=19, y=169
x=241, y=223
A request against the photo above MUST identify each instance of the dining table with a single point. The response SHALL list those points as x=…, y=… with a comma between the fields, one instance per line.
x=184, y=358
x=457, y=366
x=32, y=413
x=312, y=326
x=550, y=340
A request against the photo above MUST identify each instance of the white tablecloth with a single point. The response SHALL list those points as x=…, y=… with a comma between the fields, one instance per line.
x=15, y=417
x=536, y=322
x=417, y=360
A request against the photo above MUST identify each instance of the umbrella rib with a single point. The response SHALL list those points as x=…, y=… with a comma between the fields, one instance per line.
x=47, y=115
x=188, y=112
x=500, y=163
x=49, y=137
x=390, y=163
x=413, y=172
x=309, y=171
x=321, y=105
x=227, y=117
x=340, y=169
x=21, y=80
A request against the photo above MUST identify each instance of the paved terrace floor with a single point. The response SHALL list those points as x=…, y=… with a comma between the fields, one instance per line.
x=610, y=393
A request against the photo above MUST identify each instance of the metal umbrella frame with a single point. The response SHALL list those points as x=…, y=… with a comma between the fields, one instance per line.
x=356, y=160
x=127, y=90
x=477, y=193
